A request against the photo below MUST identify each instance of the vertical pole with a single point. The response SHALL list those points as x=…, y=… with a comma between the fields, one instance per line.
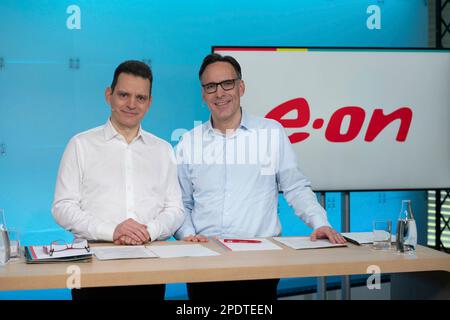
x=322, y=281
x=345, y=226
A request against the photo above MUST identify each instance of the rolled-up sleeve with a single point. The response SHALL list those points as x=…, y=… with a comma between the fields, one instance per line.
x=296, y=187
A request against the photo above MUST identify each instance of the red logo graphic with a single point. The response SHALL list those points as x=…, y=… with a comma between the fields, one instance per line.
x=377, y=123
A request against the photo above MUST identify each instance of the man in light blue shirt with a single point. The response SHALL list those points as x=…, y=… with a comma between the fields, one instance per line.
x=231, y=169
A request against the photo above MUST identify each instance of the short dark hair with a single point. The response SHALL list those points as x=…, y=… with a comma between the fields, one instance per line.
x=215, y=57
x=135, y=68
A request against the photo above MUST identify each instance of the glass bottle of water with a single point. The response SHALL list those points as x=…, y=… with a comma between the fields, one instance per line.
x=406, y=240
x=4, y=240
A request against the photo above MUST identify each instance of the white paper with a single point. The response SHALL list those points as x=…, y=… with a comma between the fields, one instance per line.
x=182, y=250
x=362, y=237
x=265, y=244
x=123, y=252
x=299, y=243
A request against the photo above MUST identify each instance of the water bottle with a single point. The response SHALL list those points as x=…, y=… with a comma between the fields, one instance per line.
x=5, y=248
x=406, y=237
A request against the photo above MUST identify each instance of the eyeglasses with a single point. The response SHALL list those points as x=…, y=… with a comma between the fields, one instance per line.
x=61, y=245
x=226, y=85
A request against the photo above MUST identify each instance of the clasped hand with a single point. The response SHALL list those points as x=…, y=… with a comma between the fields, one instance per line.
x=131, y=232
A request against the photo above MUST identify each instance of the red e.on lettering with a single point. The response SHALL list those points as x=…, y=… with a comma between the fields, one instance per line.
x=357, y=115
x=303, y=115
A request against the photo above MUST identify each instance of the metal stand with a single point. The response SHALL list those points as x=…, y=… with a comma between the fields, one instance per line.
x=322, y=281
x=345, y=227
x=321, y=288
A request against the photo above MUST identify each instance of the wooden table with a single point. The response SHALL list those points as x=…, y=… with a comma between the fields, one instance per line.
x=285, y=263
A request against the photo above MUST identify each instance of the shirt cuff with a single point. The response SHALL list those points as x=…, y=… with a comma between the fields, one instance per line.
x=320, y=221
x=154, y=231
x=184, y=232
x=105, y=231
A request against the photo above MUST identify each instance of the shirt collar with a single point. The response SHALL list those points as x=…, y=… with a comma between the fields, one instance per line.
x=243, y=125
x=111, y=132
x=244, y=121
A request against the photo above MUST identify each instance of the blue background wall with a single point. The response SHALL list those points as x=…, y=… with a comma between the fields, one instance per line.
x=44, y=102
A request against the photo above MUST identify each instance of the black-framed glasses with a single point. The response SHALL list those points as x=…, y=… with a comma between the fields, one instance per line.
x=61, y=245
x=226, y=85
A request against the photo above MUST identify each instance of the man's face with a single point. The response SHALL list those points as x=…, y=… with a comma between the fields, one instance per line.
x=223, y=104
x=129, y=102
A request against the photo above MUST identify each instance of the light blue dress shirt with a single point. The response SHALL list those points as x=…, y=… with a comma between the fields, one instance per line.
x=230, y=183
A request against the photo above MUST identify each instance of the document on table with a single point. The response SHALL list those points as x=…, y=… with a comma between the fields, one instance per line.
x=152, y=251
x=300, y=243
x=123, y=252
x=361, y=237
x=40, y=254
x=258, y=245
x=182, y=250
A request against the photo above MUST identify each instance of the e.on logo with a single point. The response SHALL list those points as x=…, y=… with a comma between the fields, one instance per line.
x=378, y=121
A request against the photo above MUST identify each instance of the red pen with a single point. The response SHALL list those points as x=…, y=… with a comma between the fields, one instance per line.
x=241, y=241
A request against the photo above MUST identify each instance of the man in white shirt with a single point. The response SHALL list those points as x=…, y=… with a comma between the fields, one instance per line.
x=226, y=197
x=117, y=182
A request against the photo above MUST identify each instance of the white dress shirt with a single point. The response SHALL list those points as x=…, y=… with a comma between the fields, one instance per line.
x=230, y=183
x=103, y=180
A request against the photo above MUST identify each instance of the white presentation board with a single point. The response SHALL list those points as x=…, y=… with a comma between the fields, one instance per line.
x=358, y=119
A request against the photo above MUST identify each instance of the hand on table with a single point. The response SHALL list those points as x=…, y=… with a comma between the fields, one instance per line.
x=327, y=233
x=196, y=238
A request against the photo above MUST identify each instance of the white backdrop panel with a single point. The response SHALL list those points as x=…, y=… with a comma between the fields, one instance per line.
x=329, y=80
